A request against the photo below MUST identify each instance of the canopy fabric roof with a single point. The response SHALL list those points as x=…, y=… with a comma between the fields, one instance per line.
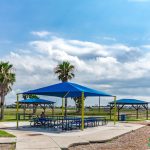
x=66, y=89
x=35, y=101
x=129, y=101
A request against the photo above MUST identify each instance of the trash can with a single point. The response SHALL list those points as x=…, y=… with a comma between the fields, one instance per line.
x=123, y=117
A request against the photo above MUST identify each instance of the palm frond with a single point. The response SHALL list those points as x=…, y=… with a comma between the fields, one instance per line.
x=7, y=77
x=65, y=71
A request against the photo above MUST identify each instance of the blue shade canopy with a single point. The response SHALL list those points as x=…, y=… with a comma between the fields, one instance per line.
x=66, y=89
x=129, y=101
x=35, y=101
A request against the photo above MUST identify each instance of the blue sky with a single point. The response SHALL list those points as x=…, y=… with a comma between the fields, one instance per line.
x=85, y=32
x=126, y=20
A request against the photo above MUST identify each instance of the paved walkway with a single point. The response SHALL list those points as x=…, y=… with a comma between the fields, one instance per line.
x=45, y=139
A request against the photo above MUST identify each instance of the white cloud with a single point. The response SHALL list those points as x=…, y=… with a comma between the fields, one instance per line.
x=97, y=65
x=73, y=47
x=146, y=46
x=41, y=33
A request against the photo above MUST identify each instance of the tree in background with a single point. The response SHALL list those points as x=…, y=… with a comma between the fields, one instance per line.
x=78, y=102
x=65, y=72
x=32, y=96
x=7, y=79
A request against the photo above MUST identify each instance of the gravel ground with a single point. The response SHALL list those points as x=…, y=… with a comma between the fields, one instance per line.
x=135, y=140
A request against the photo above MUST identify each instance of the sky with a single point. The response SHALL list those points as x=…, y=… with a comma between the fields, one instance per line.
x=107, y=41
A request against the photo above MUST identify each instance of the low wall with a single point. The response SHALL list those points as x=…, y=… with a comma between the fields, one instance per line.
x=7, y=146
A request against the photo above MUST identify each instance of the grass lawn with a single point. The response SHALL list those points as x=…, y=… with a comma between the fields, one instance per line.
x=10, y=113
x=5, y=134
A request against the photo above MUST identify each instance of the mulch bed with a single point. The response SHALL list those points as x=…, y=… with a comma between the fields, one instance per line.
x=135, y=140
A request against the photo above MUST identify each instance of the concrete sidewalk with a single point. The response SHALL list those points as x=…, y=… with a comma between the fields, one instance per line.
x=34, y=141
x=37, y=138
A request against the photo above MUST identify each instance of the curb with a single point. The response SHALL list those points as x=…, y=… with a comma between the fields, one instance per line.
x=6, y=143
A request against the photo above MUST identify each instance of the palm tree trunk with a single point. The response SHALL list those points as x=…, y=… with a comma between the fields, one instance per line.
x=0, y=99
x=65, y=107
x=2, y=112
x=2, y=106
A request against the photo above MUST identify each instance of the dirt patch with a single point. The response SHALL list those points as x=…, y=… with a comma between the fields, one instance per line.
x=135, y=140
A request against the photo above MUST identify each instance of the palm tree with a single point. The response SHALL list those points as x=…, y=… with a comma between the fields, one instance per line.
x=65, y=72
x=78, y=103
x=7, y=79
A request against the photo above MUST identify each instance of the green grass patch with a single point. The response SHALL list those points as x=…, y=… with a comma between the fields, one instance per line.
x=10, y=113
x=5, y=134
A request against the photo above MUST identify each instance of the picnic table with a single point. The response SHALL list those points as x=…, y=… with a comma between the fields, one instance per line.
x=67, y=123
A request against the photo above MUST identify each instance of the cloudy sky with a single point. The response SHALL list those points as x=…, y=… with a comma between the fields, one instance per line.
x=107, y=41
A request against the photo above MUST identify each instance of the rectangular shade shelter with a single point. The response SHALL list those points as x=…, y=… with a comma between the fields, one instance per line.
x=35, y=102
x=66, y=90
x=132, y=102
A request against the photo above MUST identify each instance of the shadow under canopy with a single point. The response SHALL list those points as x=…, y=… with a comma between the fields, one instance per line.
x=68, y=90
